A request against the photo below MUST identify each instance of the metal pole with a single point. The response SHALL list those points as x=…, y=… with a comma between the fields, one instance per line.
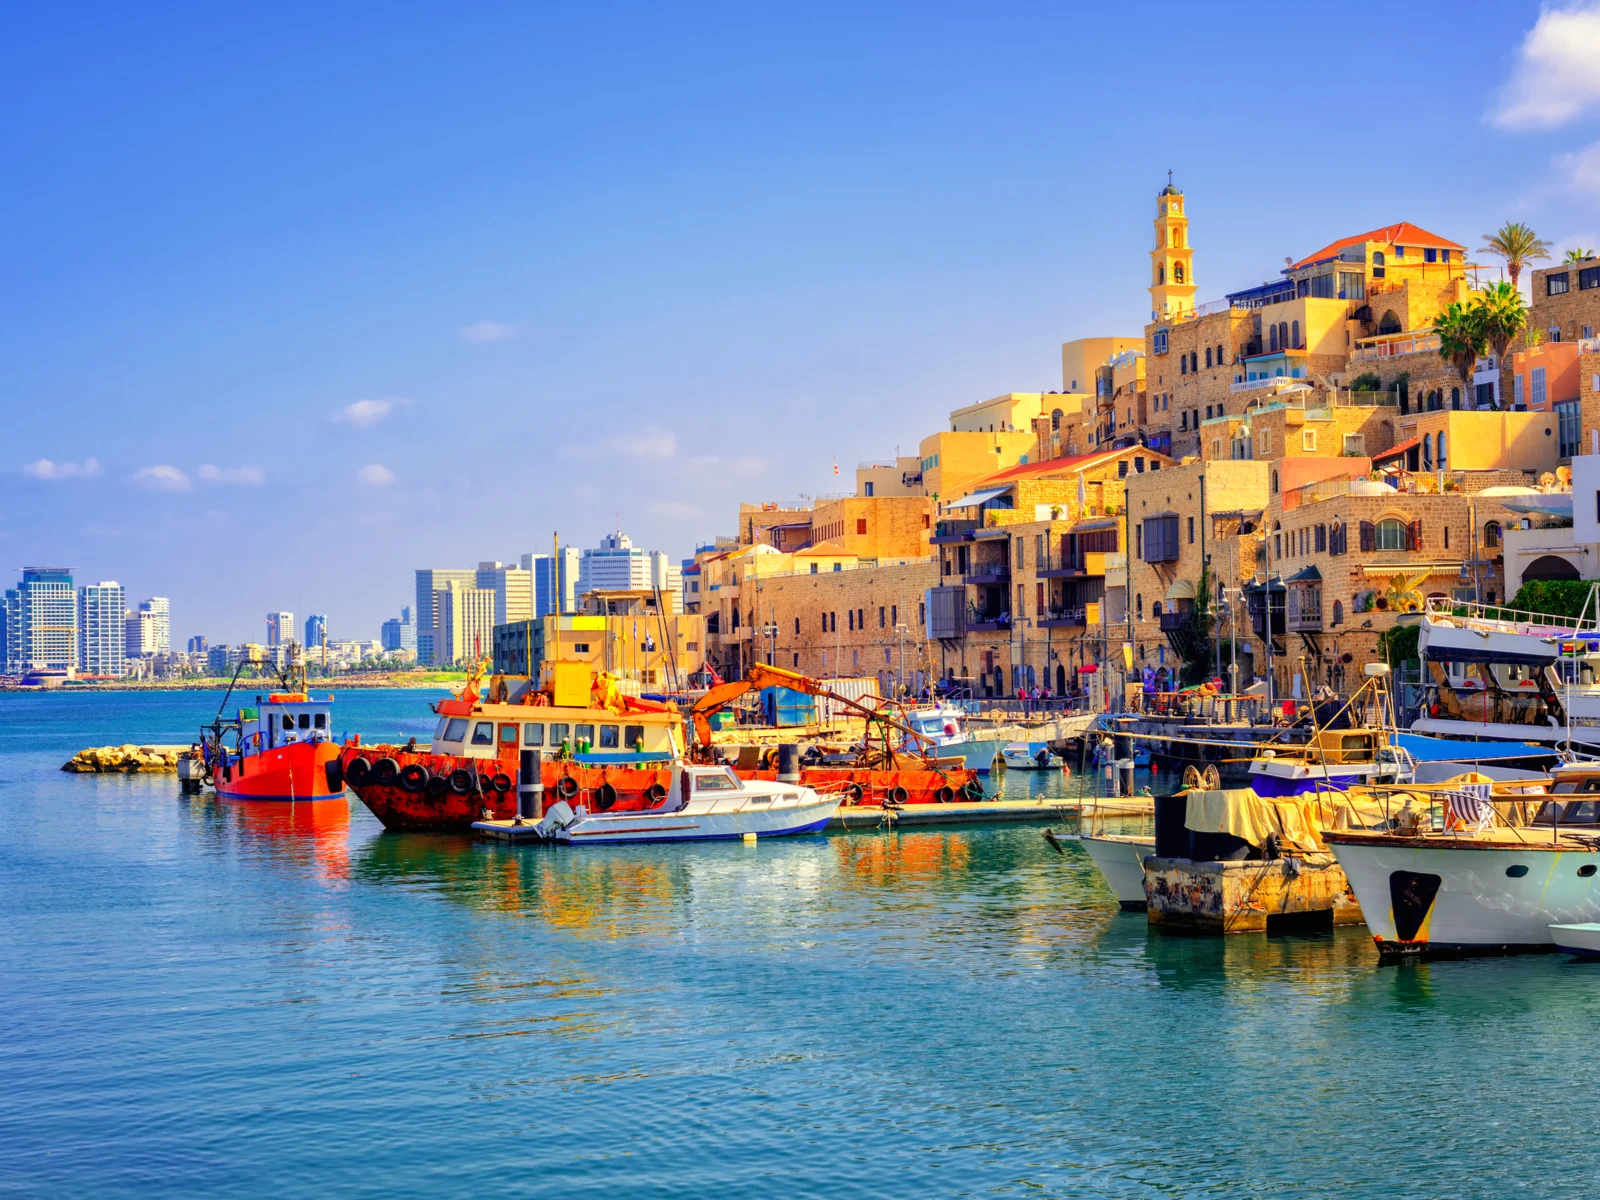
x=530, y=788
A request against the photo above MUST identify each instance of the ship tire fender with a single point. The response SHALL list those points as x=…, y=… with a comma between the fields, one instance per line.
x=945, y=794
x=566, y=787
x=385, y=770
x=438, y=785
x=485, y=785
x=605, y=796
x=461, y=781
x=656, y=792
x=974, y=791
x=360, y=767
x=854, y=793
x=502, y=782
x=334, y=773
x=898, y=794
x=414, y=777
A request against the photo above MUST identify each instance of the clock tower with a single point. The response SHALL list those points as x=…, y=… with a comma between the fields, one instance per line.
x=1172, y=260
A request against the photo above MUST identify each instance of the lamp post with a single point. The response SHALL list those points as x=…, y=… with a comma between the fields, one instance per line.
x=900, y=631
x=1266, y=545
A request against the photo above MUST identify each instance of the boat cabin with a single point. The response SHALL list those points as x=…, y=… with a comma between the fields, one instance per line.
x=283, y=719
x=582, y=734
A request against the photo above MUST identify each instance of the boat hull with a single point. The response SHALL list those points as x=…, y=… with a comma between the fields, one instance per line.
x=1423, y=899
x=1121, y=864
x=1581, y=940
x=1295, y=779
x=863, y=786
x=656, y=828
x=294, y=773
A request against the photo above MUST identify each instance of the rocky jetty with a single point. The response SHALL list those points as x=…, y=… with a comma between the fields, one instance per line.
x=105, y=760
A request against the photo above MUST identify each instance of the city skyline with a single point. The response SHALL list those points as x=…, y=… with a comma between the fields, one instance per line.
x=599, y=343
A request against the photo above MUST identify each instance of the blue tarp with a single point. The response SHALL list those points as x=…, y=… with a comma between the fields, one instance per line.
x=1436, y=749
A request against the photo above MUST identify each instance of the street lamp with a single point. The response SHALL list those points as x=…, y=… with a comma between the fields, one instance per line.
x=1266, y=544
x=900, y=631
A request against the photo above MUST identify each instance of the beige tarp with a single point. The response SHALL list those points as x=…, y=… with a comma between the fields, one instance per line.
x=1297, y=820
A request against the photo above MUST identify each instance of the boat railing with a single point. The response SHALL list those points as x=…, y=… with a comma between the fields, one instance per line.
x=1015, y=706
x=1497, y=618
x=1485, y=706
x=1215, y=707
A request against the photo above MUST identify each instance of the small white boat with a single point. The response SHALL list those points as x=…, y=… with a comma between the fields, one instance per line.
x=1121, y=862
x=706, y=803
x=942, y=726
x=1027, y=756
x=1582, y=940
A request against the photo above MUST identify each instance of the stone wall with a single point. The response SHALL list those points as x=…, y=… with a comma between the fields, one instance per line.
x=1571, y=312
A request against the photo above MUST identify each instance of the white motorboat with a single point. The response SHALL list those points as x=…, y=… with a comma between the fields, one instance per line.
x=1582, y=940
x=706, y=803
x=1026, y=756
x=943, y=725
x=1121, y=862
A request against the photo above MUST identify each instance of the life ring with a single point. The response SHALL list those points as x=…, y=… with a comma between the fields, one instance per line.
x=384, y=771
x=566, y=787
x=461, y=781
x=502, y=782
x=414, y=777
x=360, y=767
x=438, y=785
x=898, y=794
x=945, y=794
x=855, y=793
x=604, y=796
x=656, y=793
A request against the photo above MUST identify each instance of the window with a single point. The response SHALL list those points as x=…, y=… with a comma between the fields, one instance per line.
x=850, y=619
x=1430, y=255
x=868, y=490
x=1138, y=606
x=719, y=781
x=1177, y=272
x=1536, y=378
x=532, y=735
x=583, y=733
x=1567, y=418
x=1191, y=531
x=813, y=568
x=1294, y=334
x=1391, y=535
x=1455, y=400
x=1194, y=362
x=1219, y=355
x=1308, y=441
x=610, y=737
x=456, y=731
x=1427, y=452
x=1516, y=391
x=1555, y=284
x=508, y=735
x=1208, y=356
x=797, y=627
x=1355, y=445
x=633, y=737
x=1160, y=536
x=1338, y=613
x=1588, y=277
x=1122, y=469
x=1272, y=339
x=1155, y=610
x=1442, y=464
x=560, y=733
x=483, y=733
x=1264, y=443
x=1158, y=342
x=882, y=616
x=1183, y=364
x=861, y=525
x=1138, y=466
x=1491, y=534
x=1274, y=483
x=1377, y=264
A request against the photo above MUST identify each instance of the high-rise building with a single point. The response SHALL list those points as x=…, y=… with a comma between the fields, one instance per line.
x=10, y=616
x=47, y=620
x=429, y=581
x=160, y=610
x=465, y=623
x=217, y=660
x=512, y=588
x=555, y=589
x=316, y=630
x=100, y=629
x=198, y=644
x=399, y=633
x=280, y=628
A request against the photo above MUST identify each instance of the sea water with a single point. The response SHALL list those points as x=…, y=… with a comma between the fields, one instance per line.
x=264, y=1000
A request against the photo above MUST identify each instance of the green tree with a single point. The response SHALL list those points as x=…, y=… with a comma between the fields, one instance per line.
x=1462, y=340
x=1518, y=244
x=1576, y=255
x=1503, y=314
x=1556, y=598
x=1199, y=655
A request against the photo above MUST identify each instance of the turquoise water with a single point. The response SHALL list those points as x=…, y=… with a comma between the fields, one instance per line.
x=204, y=999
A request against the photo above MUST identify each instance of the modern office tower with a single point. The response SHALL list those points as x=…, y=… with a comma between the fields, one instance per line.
x=512, y=588
x=316, y=630
x=616, y=566
x=280, y=628
x=47, y=620
x=198, y=644
x=465, y=623
x=429, y=581
x=218, y=659
x=408, y=630
x=160, y=610
x=101, y=635
x=554, y=590
x=398, y=633
x=10, y=603
x=389, y=635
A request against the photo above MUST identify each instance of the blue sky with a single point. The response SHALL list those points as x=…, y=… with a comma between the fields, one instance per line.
x=297, y=301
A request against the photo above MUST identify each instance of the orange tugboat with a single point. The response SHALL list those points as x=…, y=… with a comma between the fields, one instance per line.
x=282, y=746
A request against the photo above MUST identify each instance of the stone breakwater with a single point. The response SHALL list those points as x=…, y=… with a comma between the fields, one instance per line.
x=105, y=760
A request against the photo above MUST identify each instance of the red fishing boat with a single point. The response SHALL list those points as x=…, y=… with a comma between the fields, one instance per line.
x=279, y=748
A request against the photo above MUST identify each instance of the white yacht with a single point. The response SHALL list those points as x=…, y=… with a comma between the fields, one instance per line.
x=944, y=726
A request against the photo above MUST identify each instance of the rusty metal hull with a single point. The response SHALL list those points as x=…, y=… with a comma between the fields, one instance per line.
x=1243, y=897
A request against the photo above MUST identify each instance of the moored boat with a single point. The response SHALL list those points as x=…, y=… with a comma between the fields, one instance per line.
x=1120, y=858
x=282, y=746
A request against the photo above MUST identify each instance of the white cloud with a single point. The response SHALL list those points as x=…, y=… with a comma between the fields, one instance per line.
x=89, y=468
x=1573, y=241
x=1555, y=77
x=743, y=466
x=657, y=445
x=481, y=332
x=162, y=478
x=215, y=474
x=364, y=414
x=674, y=508
x=1581, y=168
x=375, y=475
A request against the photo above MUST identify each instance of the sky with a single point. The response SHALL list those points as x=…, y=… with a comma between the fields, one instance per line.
x=297, y=299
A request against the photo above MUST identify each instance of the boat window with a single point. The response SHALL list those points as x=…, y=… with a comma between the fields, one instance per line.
x=321, y=721
x=610, y=737
x=584, y=733
x=559, y=732
x=532, y=734
x=633, y=737
x=508, y=735
x=305, y=720
x=439, y=734
x=457, y=730
x=718, y=782
x=483, y=733
x=1358, y=741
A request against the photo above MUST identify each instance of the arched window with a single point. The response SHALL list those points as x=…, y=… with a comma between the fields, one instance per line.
x=1491, y=534
x=1455, y=401
x=1194, y=361
x=1183, y=364
x=1391, y=534
x=1427, y=452
x=1274, y=483
x=1155, y=610
x=1294, y=333
x=1138, y=606
x=1161, y=273
x=1283, y=334
x=1177, y=272
x=1208, y=356
x=1389, y=323
x=1220, y=358
x=1442, y=464
x=1377, y=264
x=1055, y=419
x=1272, y=339
x=1338, y=613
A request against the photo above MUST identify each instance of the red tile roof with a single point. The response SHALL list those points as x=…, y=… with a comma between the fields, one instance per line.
x=1396, y=451
x=1403, y=234
x=1052, y=466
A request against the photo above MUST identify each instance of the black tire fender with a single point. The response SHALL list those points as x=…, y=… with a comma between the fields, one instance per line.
x=461, y=781
x=414, y=777
x=385, y=771
x=359, y=770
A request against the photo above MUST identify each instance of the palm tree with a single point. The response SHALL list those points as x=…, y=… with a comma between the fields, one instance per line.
x=1576, y=255
x=1462, y=340
x=1518, y=245
x=1502, y=313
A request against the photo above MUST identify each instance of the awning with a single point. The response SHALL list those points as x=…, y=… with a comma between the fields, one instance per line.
x=1097, y=523
x=1395, y=451
x=1412, y=568
x=1432, y=749
x=1181, y=589
x=1307, y=575
x=974, y=499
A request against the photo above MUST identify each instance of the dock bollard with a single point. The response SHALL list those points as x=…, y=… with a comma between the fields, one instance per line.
x=789, y=763
x=530, y=788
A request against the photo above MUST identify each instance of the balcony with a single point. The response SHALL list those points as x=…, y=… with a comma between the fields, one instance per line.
x=952, y=530
x=1177, y=622
x=995, y=624
x=1072, y=618
x=1305, y=618
x=1394, y=345
x=988, y=574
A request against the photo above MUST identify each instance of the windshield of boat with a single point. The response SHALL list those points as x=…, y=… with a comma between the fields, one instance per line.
x=721, y=781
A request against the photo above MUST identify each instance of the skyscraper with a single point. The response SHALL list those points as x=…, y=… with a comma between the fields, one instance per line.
x=316, y=630
x=198, y=644
x=554, y=590
x=512, y=588
x=160, y=610
x=280, y=628
x=398, y=633
x=100, y=628
x=10, y=616
x=429, y=581
x=47, y=620
x=465, y=623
